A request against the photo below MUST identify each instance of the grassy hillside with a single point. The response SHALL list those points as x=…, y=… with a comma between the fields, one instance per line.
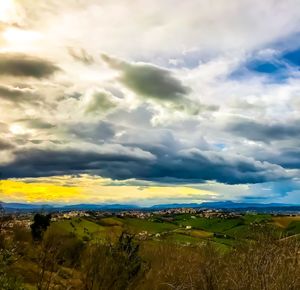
x=284, y=221
x=152, y=226
x=71, y=248
x=182, y=228
x=80, y=227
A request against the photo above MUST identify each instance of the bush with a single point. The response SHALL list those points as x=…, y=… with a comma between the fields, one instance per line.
x=8, y=281
x=111, y=266
x=266, y=263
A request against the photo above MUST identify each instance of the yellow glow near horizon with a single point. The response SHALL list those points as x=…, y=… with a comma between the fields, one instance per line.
x=91, y=190
x=12, y=190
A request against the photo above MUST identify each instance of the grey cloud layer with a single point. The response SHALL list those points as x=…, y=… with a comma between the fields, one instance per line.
x=265, y=132
x=162, y=163
x=61, y=160
x=152, y=82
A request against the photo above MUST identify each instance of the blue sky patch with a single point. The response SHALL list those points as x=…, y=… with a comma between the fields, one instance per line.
x=264, y=67
x=293, y=57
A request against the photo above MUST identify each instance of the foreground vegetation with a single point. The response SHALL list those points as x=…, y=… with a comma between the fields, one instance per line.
x=179, y=252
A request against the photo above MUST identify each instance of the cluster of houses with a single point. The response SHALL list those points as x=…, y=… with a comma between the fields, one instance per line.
x=209, y=213
x=15, y=221
x=68, y=215
x=199, y=212
x=135, y=214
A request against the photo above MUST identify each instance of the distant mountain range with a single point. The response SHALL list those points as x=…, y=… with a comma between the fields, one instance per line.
x=221, y=205
x=24, y=207
x=27, y=207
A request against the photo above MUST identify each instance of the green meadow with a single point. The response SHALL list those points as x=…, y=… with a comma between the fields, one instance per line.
x=180, y=229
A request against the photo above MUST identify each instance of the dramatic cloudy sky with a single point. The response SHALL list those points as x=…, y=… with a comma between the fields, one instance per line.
x=148, y=102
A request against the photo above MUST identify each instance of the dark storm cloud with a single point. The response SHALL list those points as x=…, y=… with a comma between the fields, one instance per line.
x=157, y=164
x=199, y=166
x=158, y=84
x=153, y=82
x=46, y=162
x=289, y=158
x=284, y=137
x=264, y=132
x=286, y=157
x=149, y=80
x=21, y=65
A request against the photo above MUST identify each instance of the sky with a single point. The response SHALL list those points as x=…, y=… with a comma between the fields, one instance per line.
x=148, y=102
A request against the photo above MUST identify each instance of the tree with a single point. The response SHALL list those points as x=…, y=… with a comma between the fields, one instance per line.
x=40, y=225
x=126, y=255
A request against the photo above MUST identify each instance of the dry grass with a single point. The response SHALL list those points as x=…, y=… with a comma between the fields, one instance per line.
x=283, y=222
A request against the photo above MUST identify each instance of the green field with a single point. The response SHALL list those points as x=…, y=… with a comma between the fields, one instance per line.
x=137, y=225
x=181, y=228
x=82, y=228
x=211, y=225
